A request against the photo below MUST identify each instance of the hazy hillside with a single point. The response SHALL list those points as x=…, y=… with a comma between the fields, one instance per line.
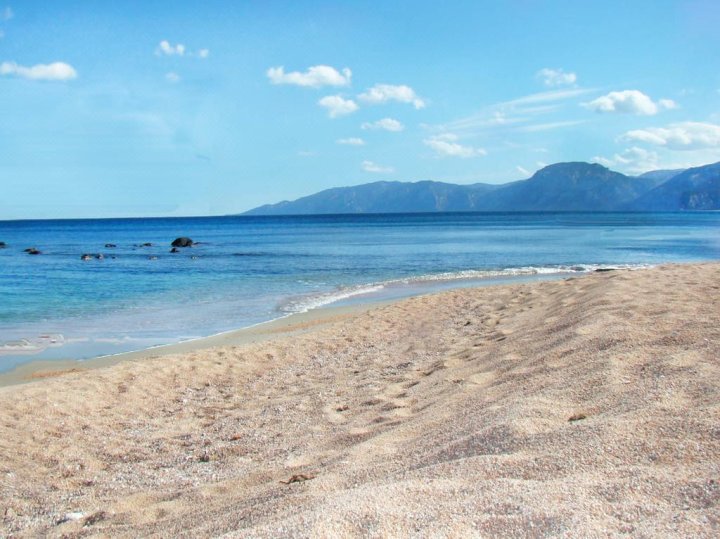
x=384, y=197
x=559, y=187
x=694, y=189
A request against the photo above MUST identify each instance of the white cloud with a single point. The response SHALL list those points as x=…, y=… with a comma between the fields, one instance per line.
x=314, y=77
x=6, y=14
x=369, y=166
x=388, y=124
x=170, y=50
x=54, y=71
x=352, y=141
x=382, y=93
x=679, y=136
x=630, y=102
x=523, y=171
x=337, y=106
x=632, y=160
x=556, y=77
x=172, y=77
x=203, y=53
x=446, y=145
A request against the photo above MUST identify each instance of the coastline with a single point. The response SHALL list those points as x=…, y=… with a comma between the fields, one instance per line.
x=292, y=324
x=584, y=406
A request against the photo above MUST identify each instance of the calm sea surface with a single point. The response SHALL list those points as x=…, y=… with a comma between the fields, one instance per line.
x=252, y=269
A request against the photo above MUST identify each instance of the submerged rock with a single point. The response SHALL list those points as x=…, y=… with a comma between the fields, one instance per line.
x=182, y=242
x=2, y=245
x=33, y=251
x=86, y=257
x=110, y=245
x=174, y=250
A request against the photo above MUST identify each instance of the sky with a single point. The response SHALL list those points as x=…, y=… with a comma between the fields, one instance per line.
x=181, y=108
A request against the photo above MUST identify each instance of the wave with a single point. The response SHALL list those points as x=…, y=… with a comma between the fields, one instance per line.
x=307, y=302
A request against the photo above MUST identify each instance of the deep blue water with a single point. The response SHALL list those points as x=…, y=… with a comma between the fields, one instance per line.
x=252, y=269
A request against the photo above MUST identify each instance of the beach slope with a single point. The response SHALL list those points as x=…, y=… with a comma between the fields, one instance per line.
x=584, y=407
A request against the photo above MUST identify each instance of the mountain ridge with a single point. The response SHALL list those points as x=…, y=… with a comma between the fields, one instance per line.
x=570, y=186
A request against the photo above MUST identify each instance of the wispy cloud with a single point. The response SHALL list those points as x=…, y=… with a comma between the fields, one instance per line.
x=315, y=76
x=515, y=113
x=172, y=77
x=369, y=166
x=383, y=93
x=532, y=128
x=446, y=145
x=352, y=141
x=630, y=102
x=556, y=77
x=56, y=71
x=337, y=105
x=6, y=13
x=387, y=124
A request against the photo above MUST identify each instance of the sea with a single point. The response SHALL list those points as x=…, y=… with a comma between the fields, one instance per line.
x=247, y=270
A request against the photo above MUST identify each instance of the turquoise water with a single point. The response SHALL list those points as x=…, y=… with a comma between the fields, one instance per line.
x=252, y=269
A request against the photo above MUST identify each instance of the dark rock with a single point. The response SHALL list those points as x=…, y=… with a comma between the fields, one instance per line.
x=2, y=245
x=99, y=256
x=110, y=245
x=148, y=244
x=182, y=242
x=174, y=250
x=603, y=270
x=33, y=251
x=86, y=256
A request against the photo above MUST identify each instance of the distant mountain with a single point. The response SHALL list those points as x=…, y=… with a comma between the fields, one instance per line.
x=560, y=187
x=568, y=187
x=383, y=197
x=662, y=175
x=694, y=189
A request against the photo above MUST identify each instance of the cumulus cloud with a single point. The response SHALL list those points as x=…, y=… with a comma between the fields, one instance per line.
x=632, y=160
x=352, y=141
x=382, y=93
x=57, y=71
x=369, y=166
x=165, y=48
x=172, y=77
x=203, y=53
x=446, y=145
x=679, y=136
x=556, y=77
x=630, y=102
x=388, y=124
x=338, y=106
x=314, y=77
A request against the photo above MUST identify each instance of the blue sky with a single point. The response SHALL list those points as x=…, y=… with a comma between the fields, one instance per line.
x=203, y=108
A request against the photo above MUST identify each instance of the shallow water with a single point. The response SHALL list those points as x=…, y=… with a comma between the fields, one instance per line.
x=252, y=269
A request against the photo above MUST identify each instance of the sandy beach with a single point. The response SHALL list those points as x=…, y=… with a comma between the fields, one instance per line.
x=587, y=407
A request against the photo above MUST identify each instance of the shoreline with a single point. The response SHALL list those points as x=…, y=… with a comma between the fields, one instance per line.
x=33, y=370
x=292, y=324
x=582, y=407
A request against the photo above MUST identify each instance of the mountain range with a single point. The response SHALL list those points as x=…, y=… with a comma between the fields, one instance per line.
x=560, y=187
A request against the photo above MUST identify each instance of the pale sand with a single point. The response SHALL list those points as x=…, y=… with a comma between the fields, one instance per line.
x=442, y=415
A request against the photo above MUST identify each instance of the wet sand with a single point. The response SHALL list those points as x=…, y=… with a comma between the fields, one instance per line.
x=584, y=407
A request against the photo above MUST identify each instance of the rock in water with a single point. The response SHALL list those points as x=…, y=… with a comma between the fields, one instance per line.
x=2, y=245
x=182, y=242
x=110, y=245
x=33, y=251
